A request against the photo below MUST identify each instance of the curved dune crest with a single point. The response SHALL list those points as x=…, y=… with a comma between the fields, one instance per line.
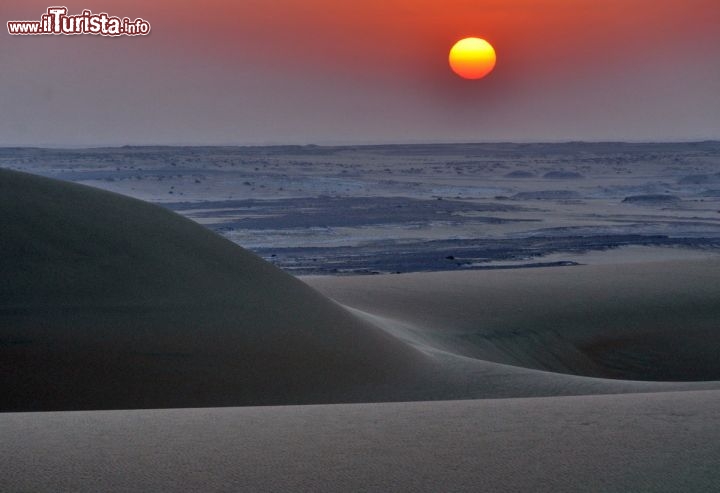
x=108, y=302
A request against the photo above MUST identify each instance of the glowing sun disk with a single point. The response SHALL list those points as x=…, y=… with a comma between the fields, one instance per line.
x=472, y=58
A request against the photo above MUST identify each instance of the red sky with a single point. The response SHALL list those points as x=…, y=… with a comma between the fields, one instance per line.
x=321, y=71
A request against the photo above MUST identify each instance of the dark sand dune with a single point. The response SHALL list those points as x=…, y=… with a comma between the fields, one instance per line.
x=665, y=442
x=108, y=302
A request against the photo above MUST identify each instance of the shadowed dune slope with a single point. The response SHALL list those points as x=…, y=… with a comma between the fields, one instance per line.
x=648, y=321
x=108, y=302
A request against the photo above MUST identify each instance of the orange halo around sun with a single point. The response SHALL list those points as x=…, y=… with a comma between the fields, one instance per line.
x=472, y=58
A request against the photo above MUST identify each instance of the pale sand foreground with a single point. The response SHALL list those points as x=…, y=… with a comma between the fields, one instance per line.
x=666, y=442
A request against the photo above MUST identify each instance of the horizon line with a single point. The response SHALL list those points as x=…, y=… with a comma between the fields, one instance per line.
x=363, y=144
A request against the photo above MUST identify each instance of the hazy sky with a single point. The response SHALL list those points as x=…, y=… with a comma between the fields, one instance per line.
x=329, y=71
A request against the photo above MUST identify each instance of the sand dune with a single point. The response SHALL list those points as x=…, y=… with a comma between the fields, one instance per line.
x=664, y=442
x=111, y=303
x=643, y=321
x=108, y=302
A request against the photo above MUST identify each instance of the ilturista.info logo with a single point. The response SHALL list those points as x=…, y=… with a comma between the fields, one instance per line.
x=57, y=21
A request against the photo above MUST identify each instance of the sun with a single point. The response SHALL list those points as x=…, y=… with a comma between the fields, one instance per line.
x=472, y=58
